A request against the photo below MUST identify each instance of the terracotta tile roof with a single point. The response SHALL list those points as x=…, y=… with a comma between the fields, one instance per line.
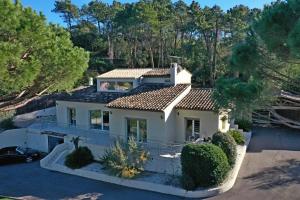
x=153, y=100
x=197, y=99
x=125, y=73
x=163, y=72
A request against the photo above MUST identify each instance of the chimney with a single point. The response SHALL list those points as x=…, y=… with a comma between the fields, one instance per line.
x=173, y=73
x=91, y=81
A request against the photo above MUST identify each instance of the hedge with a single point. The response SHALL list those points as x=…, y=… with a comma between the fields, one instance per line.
x=244, y=124
x=203, y=165
x=237, y=136
x=79, y=158
x=227, y=144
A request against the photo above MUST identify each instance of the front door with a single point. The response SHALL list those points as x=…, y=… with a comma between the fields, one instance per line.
x=53, y=142
x=192, y=130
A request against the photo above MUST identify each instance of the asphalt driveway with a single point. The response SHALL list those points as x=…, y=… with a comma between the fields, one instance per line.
x=271, y=170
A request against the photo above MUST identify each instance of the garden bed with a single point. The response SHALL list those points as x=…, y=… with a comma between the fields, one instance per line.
x=158, y=182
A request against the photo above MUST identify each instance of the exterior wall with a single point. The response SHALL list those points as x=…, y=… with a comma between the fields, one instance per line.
x=37, y=141
x=13, y=137
x=227, y=124
x=184, y=77
x=170, y=117
x=209, y=123
x=82, y=112
x=155, y=124
x=165, y=80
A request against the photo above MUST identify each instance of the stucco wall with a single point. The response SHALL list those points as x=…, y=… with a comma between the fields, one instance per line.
x=37, y=141
x=82, y=112
x=227, y=124
x=155, y=123
x=165, y=80
x=183, y=77
x=208, y=123
x=21, y=137
x=13, y=137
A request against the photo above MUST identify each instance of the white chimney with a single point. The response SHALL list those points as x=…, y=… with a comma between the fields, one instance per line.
x=91, y=81
x=173, y=73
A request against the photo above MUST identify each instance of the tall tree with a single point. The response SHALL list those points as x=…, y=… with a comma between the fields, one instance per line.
x=34, y=57
x=69, y=11
x=266, y=62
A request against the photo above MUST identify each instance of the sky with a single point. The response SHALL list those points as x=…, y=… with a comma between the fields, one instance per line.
x=45, y=6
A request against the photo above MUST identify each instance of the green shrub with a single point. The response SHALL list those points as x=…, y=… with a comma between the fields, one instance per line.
x=125, y=160
x=204, y=164
x=79, y=158
x=187, y=182
x=227, y=144
x=7, y=124
x=244, y=124
x=237, y=136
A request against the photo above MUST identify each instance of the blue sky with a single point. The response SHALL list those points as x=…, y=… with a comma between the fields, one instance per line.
x=45, y=6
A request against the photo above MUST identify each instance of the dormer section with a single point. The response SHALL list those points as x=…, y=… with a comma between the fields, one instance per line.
x=120, y=80
x=179, y=75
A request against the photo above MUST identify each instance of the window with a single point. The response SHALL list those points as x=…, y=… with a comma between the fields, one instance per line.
x=105, y=120
x=192, y=129
x=95, y=119
x=120, y=86
x=99, y=119
x=72, y=116
x=124, y=86
x=107, y=85
x=137, y=128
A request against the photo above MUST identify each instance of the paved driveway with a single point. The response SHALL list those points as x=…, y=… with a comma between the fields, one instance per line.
x=271, y=170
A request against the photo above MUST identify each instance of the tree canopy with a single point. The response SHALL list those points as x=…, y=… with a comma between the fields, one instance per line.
x=35, y=57
x=150, y=33
x=266, y=62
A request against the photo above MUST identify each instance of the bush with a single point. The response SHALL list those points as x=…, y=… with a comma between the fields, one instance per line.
x=237, y=136
x=187, y=182
x=125, y=160
x=79, y=158
x=203, y=165
x=244, y=124
x=7, y=124
x=227, y=144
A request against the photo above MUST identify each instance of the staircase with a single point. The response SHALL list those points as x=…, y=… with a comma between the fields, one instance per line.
x=59, y=151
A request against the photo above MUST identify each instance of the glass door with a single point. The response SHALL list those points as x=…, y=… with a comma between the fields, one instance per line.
x=192, y=130
x=137, y=128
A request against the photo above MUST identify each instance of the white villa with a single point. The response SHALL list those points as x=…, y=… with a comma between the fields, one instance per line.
x=157, y=107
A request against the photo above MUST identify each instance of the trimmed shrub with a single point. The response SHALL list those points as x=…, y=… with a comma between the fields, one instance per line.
x=227, y=144
x=237, y=136
x=125, y=160
x=187, y=182
x=244, y=124
x=79, y=158
x=7, y=124
x=203, y=165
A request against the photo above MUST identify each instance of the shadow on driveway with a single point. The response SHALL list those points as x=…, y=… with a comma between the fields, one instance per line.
x=286, y=173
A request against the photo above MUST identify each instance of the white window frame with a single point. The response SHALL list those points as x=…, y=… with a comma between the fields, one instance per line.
x=115, y=81
x=102, y=124
x=138, y=139
x=69, y=116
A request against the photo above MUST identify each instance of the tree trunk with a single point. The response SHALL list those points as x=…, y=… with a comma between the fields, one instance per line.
x=214, y=59
x=151, y=56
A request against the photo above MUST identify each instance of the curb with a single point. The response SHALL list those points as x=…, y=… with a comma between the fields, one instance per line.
x=160, y=188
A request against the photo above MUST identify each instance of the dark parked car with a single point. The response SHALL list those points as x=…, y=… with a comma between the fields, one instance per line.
x=14, y=154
